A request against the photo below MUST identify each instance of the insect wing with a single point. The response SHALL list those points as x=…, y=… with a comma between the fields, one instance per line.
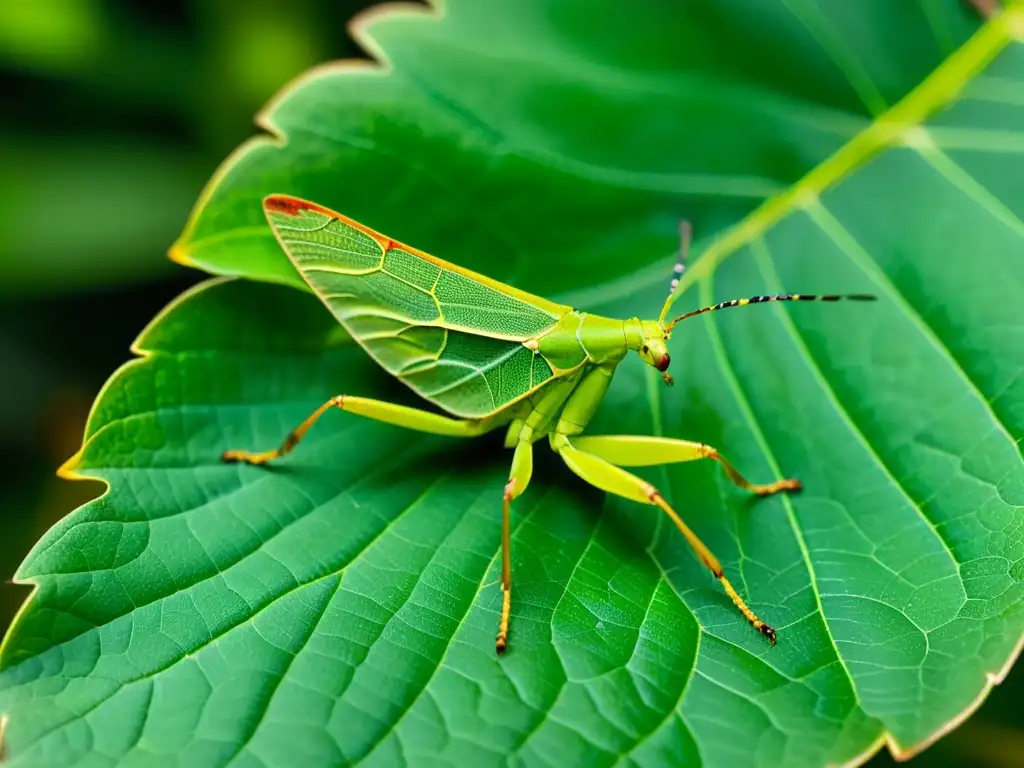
x=455, y=337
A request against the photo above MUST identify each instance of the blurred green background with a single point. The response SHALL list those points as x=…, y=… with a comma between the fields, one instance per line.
x=115, y=115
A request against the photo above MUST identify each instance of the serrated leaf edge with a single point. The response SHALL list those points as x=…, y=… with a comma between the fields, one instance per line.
x=358, y=29
x=69, y=470
x=897, y=125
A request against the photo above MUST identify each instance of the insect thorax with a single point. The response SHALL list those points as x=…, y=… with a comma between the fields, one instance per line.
x=581, y=337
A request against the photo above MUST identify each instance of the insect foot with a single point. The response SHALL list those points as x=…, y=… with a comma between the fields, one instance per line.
x=501, y=644
x=236, y=457
x=789, y=484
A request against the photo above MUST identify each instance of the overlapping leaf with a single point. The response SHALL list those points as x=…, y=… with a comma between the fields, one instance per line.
x=341, y=607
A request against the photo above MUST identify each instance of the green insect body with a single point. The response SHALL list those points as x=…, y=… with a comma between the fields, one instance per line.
x=493, y=357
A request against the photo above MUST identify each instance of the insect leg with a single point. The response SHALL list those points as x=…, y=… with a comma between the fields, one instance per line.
x=378, y=410
x=608, y=477
x=518, y=479
x=645, y=451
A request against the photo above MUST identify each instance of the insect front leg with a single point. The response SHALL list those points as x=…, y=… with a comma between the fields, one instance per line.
x=518, y=479
x=646, y=451
x=603, y=474
x=378, y=410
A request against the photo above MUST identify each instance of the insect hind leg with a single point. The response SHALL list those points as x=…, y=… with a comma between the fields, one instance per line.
x=647, y=451
x=605, y=475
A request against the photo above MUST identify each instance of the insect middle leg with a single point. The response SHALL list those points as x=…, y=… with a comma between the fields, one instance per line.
x=646, y=451
x=378, y=410
x=603, y=474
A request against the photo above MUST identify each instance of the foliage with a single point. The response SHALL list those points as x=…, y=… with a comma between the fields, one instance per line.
x=342, y=606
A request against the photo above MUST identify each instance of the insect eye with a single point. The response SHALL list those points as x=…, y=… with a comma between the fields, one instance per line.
x=644, y=349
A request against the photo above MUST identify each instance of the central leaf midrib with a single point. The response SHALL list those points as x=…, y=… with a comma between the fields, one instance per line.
x=934, y=92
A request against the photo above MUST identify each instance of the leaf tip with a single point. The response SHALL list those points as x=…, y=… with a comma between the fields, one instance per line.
x=179, y=254
x=69, y=469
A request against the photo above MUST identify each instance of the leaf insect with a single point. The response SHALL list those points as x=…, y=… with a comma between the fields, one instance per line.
x=493, y=356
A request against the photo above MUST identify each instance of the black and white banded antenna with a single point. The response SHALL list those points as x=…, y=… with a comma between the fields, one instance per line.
x=685, y=233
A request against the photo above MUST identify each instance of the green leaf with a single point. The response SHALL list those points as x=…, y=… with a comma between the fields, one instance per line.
x=341, y=606
x=592, y=146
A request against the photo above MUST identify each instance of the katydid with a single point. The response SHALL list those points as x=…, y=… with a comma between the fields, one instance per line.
x=494, y=356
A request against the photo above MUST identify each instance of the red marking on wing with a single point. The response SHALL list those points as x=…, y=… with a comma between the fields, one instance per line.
x=293, y=206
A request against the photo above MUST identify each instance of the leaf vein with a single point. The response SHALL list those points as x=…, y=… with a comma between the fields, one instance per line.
x=764, y=261
x=831, y=226
x=748, y=415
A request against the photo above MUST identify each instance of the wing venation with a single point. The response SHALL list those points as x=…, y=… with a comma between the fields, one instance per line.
x=454, y=337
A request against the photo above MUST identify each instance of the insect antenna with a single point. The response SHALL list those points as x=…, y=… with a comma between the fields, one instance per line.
x=685, y=234
x=776, y=297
